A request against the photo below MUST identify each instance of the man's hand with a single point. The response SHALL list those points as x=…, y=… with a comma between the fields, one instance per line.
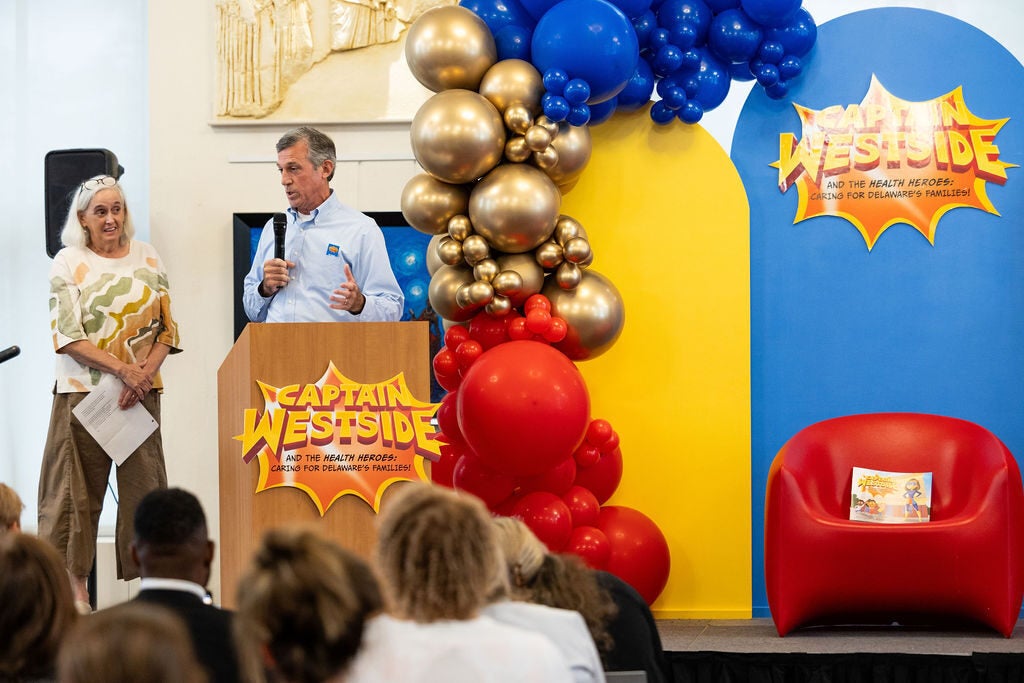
x=275, y=276
x=347, y=296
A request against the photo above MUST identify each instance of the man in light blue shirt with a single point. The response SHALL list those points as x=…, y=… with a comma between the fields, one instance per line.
x=336, y=265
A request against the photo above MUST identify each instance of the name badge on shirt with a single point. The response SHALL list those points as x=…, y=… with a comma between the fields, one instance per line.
x=333, y=250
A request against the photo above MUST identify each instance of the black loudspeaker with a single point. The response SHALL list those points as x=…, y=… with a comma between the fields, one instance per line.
x=66, y=169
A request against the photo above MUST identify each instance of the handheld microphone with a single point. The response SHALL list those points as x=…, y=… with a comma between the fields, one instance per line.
x=9, y=353
x=280, y=224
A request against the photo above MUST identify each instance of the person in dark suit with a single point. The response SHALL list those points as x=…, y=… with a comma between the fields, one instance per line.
x=174, y=554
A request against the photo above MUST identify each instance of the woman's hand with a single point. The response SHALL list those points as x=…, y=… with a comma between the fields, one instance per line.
x=135, y=378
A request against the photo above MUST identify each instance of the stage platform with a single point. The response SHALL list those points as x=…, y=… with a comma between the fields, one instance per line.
x=737, y=651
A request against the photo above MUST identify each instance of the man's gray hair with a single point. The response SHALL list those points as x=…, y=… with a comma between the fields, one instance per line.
x=321, y=147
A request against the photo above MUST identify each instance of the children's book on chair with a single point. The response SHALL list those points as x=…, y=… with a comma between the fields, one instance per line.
x=890, y=497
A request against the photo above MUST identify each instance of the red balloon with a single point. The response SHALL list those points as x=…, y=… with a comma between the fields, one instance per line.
x=455, y=335
x=548, y=517
x=603, y=477
x=557, y=329
x=523, y=407
x=587, y=455
x=537, y=301
x=599, y=432
x=538, y=321
x=517, y=330
x=639, y=552
x=445, y=362
x=467, y=352
x=591, y=545
x=557, y=480
x=447, y=419
x=583, y=506
x=488, y=330
x=442, y=470
x=448, y=382
x=473, y=476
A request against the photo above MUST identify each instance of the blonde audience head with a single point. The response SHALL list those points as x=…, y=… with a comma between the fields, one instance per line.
x=436, y=554
x=36, y=607
x=10, y=509
x=302, y=607
x=127, y=643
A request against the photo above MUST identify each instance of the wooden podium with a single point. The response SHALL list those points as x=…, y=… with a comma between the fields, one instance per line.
x=288, y=353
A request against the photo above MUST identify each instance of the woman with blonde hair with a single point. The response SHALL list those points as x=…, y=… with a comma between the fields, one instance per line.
x=302, y=607
x=437, y=556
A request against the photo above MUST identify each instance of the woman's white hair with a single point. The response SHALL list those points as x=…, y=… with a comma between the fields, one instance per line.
x=74, y=233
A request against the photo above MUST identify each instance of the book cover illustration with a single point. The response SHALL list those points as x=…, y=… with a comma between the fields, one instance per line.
x=890, y=497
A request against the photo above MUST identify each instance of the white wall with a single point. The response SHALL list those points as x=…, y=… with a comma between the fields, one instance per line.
x=151, y=102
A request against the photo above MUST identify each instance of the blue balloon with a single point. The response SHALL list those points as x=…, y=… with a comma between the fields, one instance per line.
x=771, y=52
x=555, y=107
x=632, y=9
x=777, y=90
x=588, y=39
x=797, y=35
x=538, y=8
x=579, y=115
x=712, y=82
x=659, y=38
x=499, y=13
x=661, y=114
x=675, y=98
x=790, y=67
x=770, y=12
x=643, y=25
x=638, y=88
x=717, y=6
x=691, y=112
x=602, y=111
x=513, y=42
x=576, y=91
x=734, y=36
x=741, y=72
x=767, y=75
x=691, y=60
x=684, y=36
x=675, y=13
x=668, y=59
x=555, y=80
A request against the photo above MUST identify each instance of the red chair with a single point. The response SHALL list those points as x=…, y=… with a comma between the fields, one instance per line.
x=965, y=565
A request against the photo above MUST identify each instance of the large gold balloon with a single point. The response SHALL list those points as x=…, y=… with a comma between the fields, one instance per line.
x=529, y=271
x=513, y=81
x=457, y=136
x=444, y=285
x=433, y=260
x=593, y=311
x=573, y=146
x=514, y=207
x=450, y=47
x=428, y=203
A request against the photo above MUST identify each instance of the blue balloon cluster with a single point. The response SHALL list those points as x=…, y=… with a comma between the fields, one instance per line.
x=597, y=56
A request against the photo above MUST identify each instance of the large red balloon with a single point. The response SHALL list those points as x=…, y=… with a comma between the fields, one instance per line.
x=523, y=407
x=473, y=476
x=583, y=505
x=639, y=552
x=548, y=517
x=591, y=545
x=557, y=480
x=602, y=478
x=447, y=420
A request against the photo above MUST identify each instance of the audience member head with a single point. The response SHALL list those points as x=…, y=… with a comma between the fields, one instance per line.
x=556, y=580
x=36, y=607
x=128, y=643
x=302, y=605
x=73, y=233
x=10, y=509
x=171, y=539
x=436, y=552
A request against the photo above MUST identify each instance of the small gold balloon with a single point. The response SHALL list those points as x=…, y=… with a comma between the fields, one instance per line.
x=450, y=47
x=568, y=275
x=459, y=227
x=514, y=207
x=480, y=293
x=518, y=119
x=516, y=150
x=428, y=203
x=552, y=127
x=549, y=255
x=593, y=312
x=507, y=283
x=529, y=272
x=449, y=251
x=567, y=227
x=433, y=258
x=499, y=306
x=537, y=138
x=444, y=284
x=577, y=250
x=462, y=299
x=475, y=249
x=546, y=158
x=486, y=270
x=587, y=261
x=573, y=144
x=457, y=136
x=513, y=81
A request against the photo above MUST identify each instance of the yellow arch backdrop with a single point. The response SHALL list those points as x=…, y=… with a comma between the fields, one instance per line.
x=667, y=216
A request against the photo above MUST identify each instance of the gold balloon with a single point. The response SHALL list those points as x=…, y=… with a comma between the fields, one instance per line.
x=537, y=138
x=444, y=285
x=457, y=136
x=530, y=274
x=516, y=150
x=518, y=118
x=507, y=283
x=428, y=203
x=593, y=311
x=577, y=250
x=449, y=251
x=567, y=227
x=568, y=275
x=450, y=47
x=552, y=127
x=433, y=258
x=514, y=207
x=480, y=293
x=486, y=270
x=549, y=254
x=546, y=158
x=499, y=306
x=513, y=81
x=573, y=145
x=475, y=249
x=459, y=227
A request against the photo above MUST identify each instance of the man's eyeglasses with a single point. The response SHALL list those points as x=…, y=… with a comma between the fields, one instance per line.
x=94, y=183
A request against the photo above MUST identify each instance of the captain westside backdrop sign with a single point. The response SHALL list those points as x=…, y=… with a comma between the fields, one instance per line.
x=338, y=437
